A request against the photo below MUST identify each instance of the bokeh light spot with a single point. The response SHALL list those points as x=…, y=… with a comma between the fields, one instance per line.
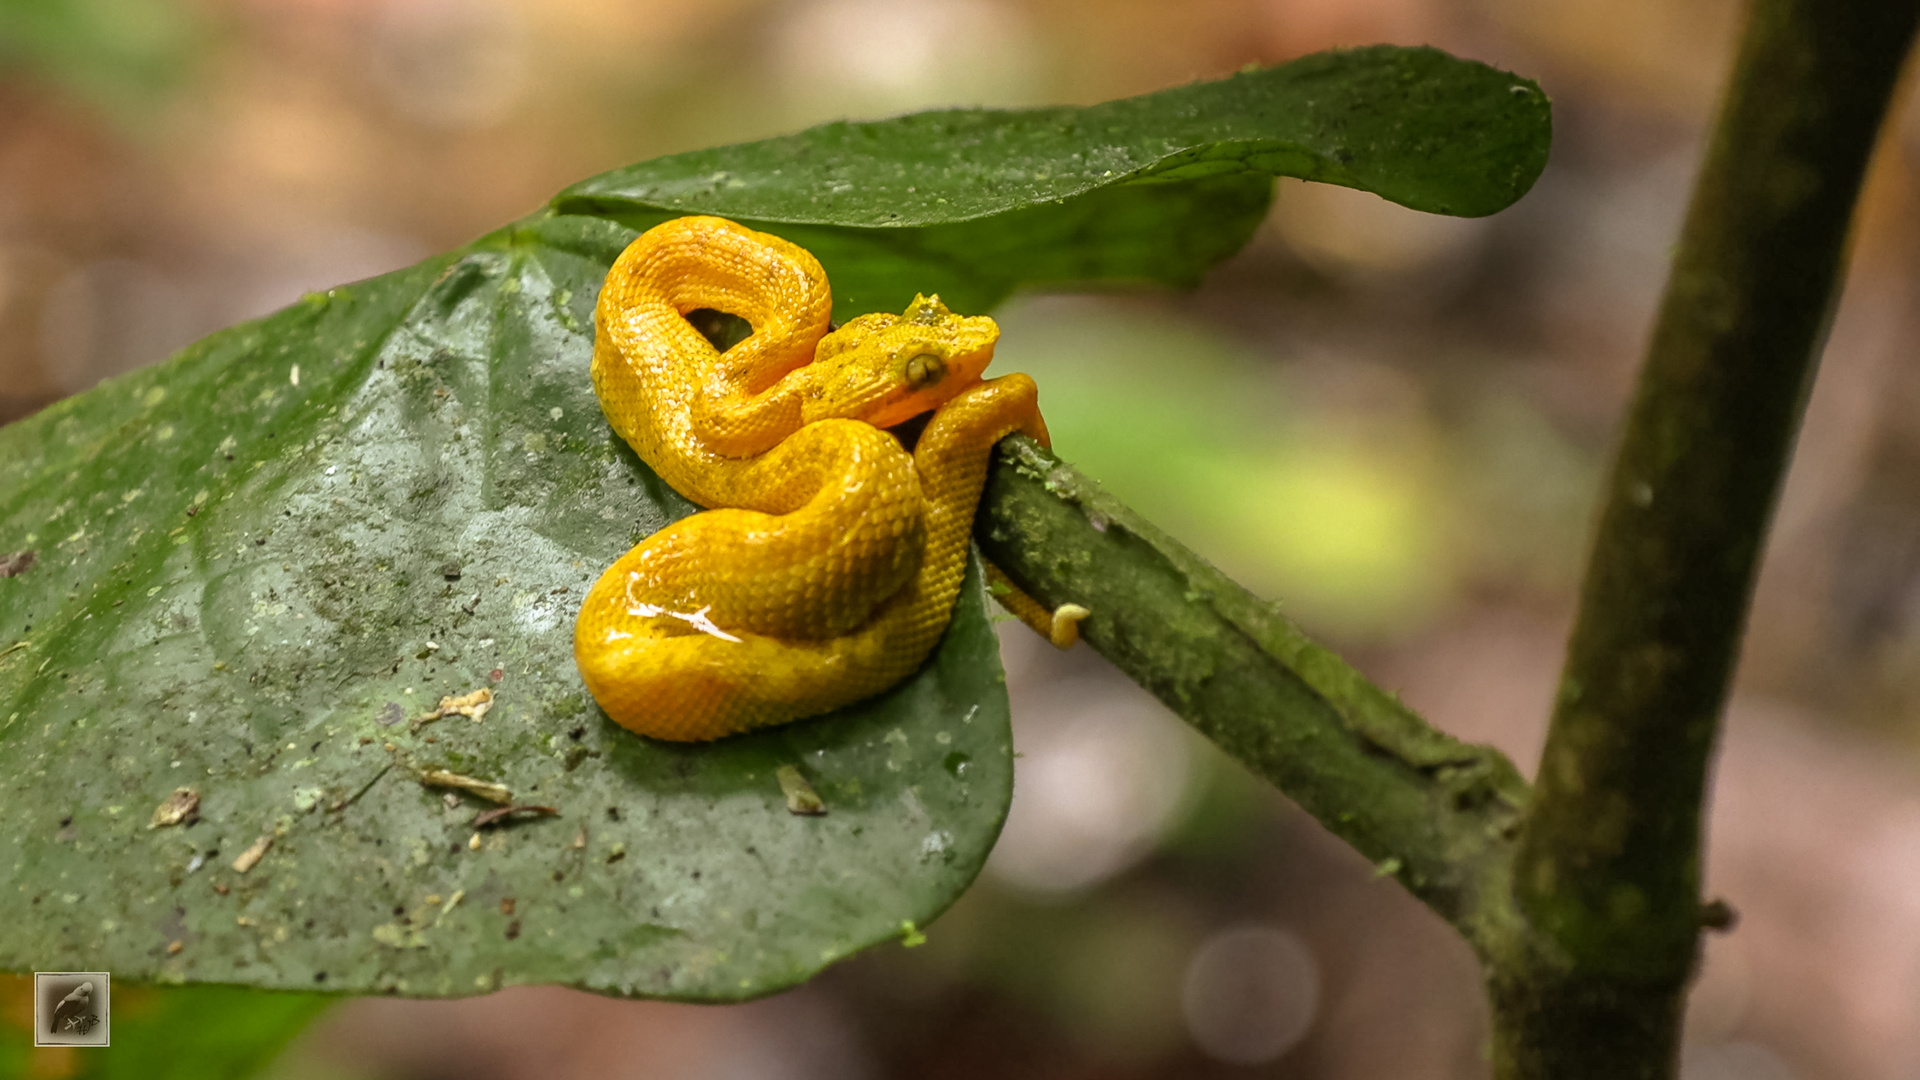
x=1103, y=773
x=1250, y=994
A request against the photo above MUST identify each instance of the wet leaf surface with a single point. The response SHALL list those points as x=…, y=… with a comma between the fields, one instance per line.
x=1416, y=126
x=269, y=648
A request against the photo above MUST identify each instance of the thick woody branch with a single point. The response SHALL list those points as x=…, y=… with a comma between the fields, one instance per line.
x=1435, y=813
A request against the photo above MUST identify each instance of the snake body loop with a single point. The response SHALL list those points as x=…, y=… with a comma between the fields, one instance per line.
x=829, y=567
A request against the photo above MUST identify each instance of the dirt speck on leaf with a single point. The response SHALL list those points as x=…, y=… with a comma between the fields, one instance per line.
x=801, y=798
x=253, y=854
x=491, y=792
x=474, y=706
x=489, y=817
x=181, y=807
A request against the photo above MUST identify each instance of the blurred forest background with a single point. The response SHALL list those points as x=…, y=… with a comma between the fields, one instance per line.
x=1395, y=423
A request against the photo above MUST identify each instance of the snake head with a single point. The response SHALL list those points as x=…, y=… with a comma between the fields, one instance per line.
x=886, y=369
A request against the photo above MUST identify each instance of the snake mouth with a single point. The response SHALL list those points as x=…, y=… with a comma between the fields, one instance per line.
x=921, y=403
x=908, y=430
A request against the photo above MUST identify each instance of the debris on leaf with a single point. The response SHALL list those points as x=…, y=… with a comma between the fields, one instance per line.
x=181, y=807
x=15, y=563
x=341, y=804
x=395, y=936
x=488, y=817
x=579, y=841
x=252, y=855
x=490, y=792
x=474, y=705
x=801, y=798
x=175, y=948
x=437, y=777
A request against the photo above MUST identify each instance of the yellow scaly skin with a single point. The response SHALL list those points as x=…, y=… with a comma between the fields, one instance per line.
x=831, y=570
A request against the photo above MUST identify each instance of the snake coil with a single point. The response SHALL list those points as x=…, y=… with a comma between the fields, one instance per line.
x=827, y=566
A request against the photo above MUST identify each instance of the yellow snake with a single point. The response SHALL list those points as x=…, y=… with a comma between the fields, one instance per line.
x=831, y=568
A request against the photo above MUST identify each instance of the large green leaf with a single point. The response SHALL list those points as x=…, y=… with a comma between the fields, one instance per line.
x=1413, y=125
x=256, y=562
x=264, y=650
x=974, y=203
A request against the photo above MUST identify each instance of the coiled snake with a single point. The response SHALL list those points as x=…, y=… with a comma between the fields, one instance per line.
x=829, y=568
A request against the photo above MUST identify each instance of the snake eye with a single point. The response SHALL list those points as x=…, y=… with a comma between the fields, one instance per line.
x=925, y=369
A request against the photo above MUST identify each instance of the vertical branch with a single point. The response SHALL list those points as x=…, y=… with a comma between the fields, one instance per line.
x=1608, y=872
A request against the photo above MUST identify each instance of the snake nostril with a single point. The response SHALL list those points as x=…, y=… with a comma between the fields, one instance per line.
x=924, y=370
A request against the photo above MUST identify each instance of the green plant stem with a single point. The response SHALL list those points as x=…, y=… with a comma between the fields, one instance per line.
x=1437, y=814
x=1608, y=874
